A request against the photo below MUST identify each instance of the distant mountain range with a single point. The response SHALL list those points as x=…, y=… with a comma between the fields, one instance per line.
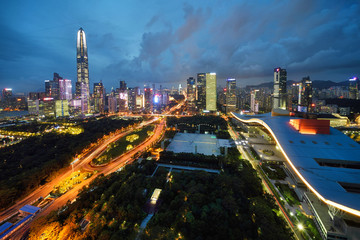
x=319, y=84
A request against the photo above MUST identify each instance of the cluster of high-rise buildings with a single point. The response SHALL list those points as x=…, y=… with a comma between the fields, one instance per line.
x=201, y=93
x=58, y=99
x=298, y=96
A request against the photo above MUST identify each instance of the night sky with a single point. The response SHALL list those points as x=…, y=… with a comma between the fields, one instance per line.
x=165, y=42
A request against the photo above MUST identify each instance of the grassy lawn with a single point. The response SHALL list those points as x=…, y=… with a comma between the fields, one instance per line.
x=124, y=144
x=288, y=193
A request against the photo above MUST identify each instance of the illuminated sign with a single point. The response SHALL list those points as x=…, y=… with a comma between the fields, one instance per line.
x=353, y=79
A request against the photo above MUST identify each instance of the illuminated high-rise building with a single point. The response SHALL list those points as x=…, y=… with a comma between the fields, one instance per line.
x=148, y=100
x=99, y=97
x=52, y=87
x=132, y=94
x=280, y=77
x=65, y=89
x=191, y=93
x=61, y=108
x=201, y=91
x=210, y=91
x=123, y=85
x=82, y=94
x=230, y=95
x=354, y=88
x=305, y=93
x=123, y=96
x=6, y=93
x=254, y=103
x=83, y=89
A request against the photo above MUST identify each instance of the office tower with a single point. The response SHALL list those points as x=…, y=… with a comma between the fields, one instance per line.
x=61, y=108
x=99, y=97
x=293, y=96
x=305, y=93
x=6, y=93
x=48, y=107
x=254, y=103
x=52, y=87
x=201, y=91
x=354, y=88
x=65, y=89
x=165, y=98
x=82, y=94
x=230, y=95
x=191, y=93
x=123, y=96
x=123, y=85
x=148, y=100
x=279, y=88
x=132, y=93
x=210, y=91
x=33, y=106
x=112, y=104
x=140, y=102
x=82, y=85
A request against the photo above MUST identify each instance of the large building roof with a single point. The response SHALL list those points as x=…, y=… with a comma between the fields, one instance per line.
x=329, y=164
x=206, y=144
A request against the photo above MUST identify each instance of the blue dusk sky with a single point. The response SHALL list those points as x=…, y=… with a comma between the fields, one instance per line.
x=165, y=42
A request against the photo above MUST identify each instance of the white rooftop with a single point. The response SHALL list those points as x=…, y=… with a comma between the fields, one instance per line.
x=303, y=152
x=206, y=144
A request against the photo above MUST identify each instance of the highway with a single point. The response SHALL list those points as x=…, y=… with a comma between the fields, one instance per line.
x=84, y=164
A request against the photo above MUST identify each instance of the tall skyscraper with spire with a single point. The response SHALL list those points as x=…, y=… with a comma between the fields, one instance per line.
x=82, y=84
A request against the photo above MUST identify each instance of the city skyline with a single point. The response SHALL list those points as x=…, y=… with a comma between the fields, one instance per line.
x=170, y=42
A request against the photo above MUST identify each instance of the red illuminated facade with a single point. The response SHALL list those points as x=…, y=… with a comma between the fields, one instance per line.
x=311, y=126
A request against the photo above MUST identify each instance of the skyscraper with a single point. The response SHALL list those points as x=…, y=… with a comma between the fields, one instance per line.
x=148, y=100
x=99, y=97
x=201, y=91
x=254, y=103
x=211, y=91
x=354, y=88
x=280, y=76
x=82, y=86
x=123, y=96
x=230, y=95
x=123, y=85
x=65, y=89
x=305, y=93
x=191, y=93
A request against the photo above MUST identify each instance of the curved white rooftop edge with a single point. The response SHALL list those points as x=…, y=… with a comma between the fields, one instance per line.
x=301, y=150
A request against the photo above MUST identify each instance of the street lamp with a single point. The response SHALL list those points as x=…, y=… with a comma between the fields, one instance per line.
x=300, y=227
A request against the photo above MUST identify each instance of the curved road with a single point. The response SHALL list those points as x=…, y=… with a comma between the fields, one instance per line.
x=84, y=164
